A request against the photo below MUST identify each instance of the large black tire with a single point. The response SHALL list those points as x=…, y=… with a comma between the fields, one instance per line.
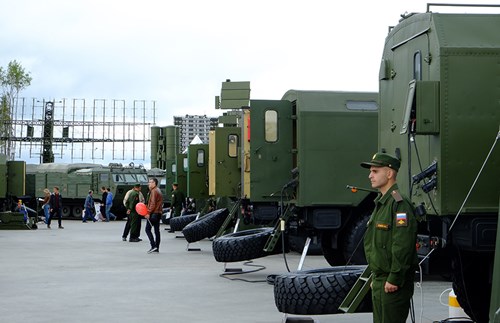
x=471, y=276
x=354, y=251
x=179, y=222
x=205, y=227
x=241, y=246
x=315, y=292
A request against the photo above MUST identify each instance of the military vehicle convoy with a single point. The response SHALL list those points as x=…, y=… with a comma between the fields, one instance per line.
x=287, y=163
x=272, y=155
x=302, y=153
x=438, y=112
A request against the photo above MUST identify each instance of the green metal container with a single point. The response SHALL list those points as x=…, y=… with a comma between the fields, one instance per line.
x=271, y=149
x=155, y=143
x=440, y=104
x=440, y=113
x=181, y=169
x=224, y=166
x=197, y=174
x=3, y=173
x=16, y=178
x=334, y=132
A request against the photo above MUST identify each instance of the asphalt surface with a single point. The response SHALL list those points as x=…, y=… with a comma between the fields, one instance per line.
x=86, y=273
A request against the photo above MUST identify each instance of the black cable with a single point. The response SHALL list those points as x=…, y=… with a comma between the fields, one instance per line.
x=283, y=233
x=246, y=263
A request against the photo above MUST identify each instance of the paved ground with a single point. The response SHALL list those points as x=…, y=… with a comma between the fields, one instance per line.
x=86, y=273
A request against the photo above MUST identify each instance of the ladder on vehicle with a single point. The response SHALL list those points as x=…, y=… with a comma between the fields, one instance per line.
x=357, y=293
x=233, y=213
x=278, y=229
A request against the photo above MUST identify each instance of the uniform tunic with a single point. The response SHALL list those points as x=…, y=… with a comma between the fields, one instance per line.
x=178, y=200
x=391, y=254
x=134, y=197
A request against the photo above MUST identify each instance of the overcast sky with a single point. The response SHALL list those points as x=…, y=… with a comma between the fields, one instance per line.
x=177, y=53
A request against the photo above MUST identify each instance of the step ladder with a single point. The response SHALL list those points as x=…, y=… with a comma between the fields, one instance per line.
x=357, y=293
x=233, y=214
x=278, y=229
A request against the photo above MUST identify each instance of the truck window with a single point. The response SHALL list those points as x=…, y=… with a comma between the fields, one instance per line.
x=232, y=145
x=271, y=125
x=129, y=178
x=417, y=66
x=200, y=160
x=361, y=105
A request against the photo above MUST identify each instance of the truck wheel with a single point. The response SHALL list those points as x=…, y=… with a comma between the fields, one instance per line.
x=65, y=211
x=205, y=226
x=333, y=255
x=472, y=283
x=354, y=251
x=241, y=246
x=317, y=291
x=77, y=211
x=179, y=222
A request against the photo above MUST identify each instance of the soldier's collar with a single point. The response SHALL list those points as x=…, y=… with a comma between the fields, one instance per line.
x=388, y=195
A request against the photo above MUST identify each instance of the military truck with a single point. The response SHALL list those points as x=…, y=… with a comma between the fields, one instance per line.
x=440, y=114
x=75, y=180
x=298, y=156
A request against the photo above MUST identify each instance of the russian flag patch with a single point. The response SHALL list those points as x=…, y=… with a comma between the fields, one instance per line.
x=401, y=220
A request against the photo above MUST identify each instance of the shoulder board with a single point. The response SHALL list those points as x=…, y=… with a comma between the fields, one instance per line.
x=395, y=194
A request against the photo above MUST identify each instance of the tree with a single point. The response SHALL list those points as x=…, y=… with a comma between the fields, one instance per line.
x=14, y=79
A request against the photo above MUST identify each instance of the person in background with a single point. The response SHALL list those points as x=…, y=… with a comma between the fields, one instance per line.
x=155, y=208
x=46, y=205
x=178, y=203
x=55, y=207
x=89, y=208
x=178, y=200
x=109, y=204
x=22, y=209
x=133, y=224
x=102, y=208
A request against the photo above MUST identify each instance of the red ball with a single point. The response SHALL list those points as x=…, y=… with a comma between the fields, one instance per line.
x=141, y=208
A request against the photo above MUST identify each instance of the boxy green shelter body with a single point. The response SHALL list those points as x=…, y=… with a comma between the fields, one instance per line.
x=334, y=132
x=440, y=113
x=439, y=84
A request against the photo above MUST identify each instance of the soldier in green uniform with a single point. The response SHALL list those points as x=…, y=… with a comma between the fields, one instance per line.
x=178, y=200
x=390, y=243
x=134, y=197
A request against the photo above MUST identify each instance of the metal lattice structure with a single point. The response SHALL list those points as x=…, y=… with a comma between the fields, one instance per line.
x=79, y=129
